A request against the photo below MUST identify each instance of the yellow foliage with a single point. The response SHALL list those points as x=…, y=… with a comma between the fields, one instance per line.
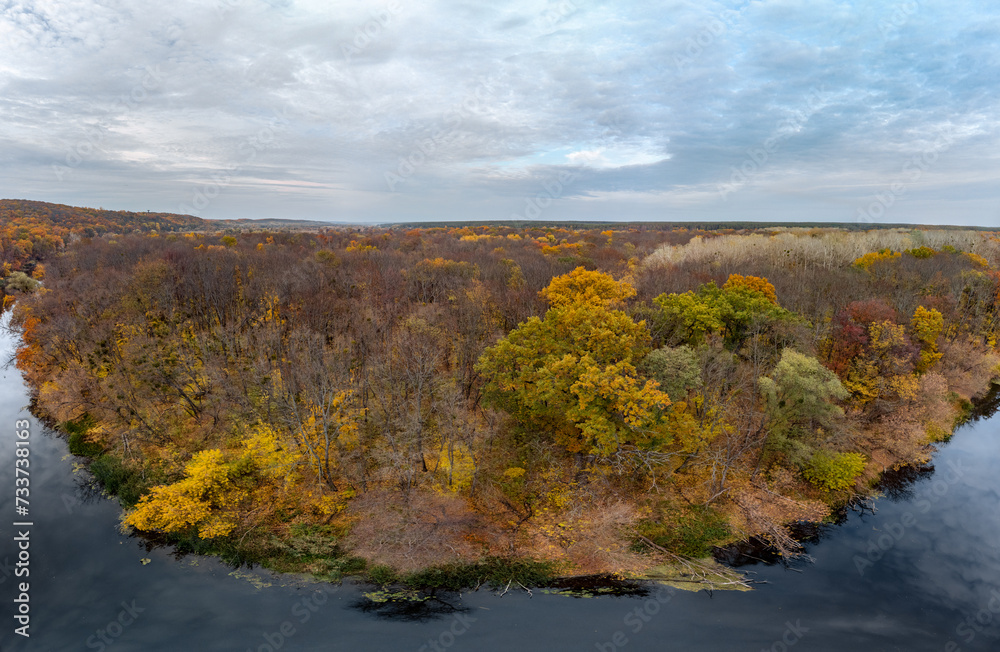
x=926, y=326
x=209, y=498
x=977, y=259
x=866, y=261
x=881, y=375
x=459, y=465
x=588, y=288
x=357, y=246
x=203, y=499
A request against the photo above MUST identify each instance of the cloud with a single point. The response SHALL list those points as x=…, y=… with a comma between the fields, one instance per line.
x=403, y=110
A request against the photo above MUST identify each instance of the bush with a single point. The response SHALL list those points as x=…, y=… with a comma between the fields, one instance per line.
x=381, y=574
x=834, y=472
x=118, y=480
x=691, y=531
x=79, y=443
x=21, y=282
x=677, y=369
x=493, y=571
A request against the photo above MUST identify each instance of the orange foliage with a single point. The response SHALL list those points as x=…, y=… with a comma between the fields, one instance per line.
x=756, y=283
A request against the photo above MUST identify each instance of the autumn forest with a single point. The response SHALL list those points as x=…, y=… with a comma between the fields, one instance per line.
x=569, y=399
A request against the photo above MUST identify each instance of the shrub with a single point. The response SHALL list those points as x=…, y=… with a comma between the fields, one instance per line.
x=21, y=282
x=79, y=443
x=118, y=480
x=834, y=472
x=691, y=531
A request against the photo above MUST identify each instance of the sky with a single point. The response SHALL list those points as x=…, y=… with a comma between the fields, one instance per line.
x=405, y=110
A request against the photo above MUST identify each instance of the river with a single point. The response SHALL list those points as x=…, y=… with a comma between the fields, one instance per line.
x=914, y=575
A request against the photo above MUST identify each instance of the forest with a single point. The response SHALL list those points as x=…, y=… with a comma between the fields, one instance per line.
x=589, y=400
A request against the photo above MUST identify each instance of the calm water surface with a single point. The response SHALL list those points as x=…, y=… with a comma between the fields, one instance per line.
x=915, y=575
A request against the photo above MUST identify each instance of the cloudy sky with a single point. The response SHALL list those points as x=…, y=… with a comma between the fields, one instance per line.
x=405, y=110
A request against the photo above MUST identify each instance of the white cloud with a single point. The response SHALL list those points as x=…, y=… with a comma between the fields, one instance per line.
x=663, y=100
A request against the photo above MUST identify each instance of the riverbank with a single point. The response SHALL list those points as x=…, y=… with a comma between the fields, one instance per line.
x=319, y=551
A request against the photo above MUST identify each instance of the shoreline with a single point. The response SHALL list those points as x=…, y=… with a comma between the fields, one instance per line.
x=681, y=573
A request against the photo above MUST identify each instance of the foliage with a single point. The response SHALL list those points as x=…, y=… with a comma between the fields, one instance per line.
x=799, y=396
x=572, y=373
x=585, y=288
x=752, y=283
x=729, y=311
x=492, y=571
x=356, y=351
x=865, y=262
x=834, y=472
x=926, y=327
x=883, y=370
x=211, y=498
x=921, y=252
x=691, y=531
x=676, y=369
x=21, y=282
x=118, y=479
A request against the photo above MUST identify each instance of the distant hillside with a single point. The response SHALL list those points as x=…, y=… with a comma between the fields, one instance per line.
x=90, y=221
x=273, y=223
x=30, y=231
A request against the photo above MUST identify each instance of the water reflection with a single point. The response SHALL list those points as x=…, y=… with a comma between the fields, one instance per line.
x=409, y=606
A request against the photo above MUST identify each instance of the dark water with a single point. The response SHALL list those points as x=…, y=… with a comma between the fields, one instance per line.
x=938, y=567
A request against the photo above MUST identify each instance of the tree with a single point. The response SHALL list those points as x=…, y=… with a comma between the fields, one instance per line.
x=573, y=373
x=752, y=283
x=732, y=311
x=881, y=375
x=798, y=399
x=21, y=282
x=582, y=287
x=220, y=491
x=676, y=369
x=925, y=327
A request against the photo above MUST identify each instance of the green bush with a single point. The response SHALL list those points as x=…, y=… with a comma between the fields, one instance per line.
x=691, y=531
x=833, y=471
x=79, y=443
x=21, y=282
x=381, y=574
x=118, y=480
x=921, y=252
x=493, y=571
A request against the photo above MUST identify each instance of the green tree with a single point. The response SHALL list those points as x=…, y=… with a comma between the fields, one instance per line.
x=729, y=311
x=676, y=369
x=798, y=397
x=21, y=282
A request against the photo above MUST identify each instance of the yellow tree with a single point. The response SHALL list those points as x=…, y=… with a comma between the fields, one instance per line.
x=925, y=327
x=754, y=283
x=220, y=491
x=883, y=371
x=573, y=373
